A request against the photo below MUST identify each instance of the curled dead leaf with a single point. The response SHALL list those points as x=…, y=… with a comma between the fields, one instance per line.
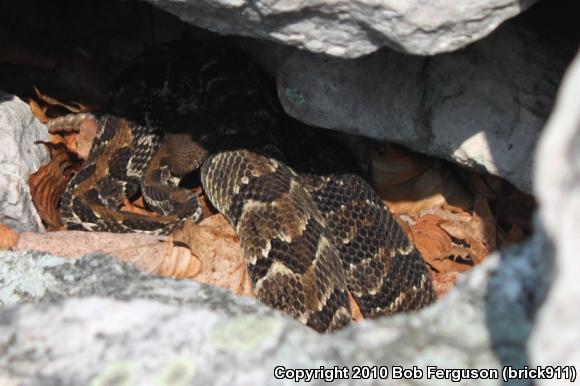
x=451, y=243
x=476, y=235
x=49, y=182
x=179, y=262
x=443, y=282
x=355, y=309
x=215, y=243
x=46, y=108
x=73, y=107
x=431, y=240
x=40, y=112
x=402, y=221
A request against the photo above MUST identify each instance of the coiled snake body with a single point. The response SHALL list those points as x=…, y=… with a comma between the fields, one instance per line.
x=309, y=238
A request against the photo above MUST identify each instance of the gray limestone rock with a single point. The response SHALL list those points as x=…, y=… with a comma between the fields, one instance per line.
x=352, y=28
x=19, y=158
x=556, y=335
x=35, y=276
x=113, y=322
x=477, y=106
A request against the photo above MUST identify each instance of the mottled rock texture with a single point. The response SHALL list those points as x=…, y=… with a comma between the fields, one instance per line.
x=116, y=324
x=352, y=28
x=556, y=333
x=476, y=107
x=112, y=321
x=96, y=321
x=19, y=158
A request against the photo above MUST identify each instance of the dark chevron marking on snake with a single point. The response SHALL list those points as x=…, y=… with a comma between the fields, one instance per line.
x=309, y=239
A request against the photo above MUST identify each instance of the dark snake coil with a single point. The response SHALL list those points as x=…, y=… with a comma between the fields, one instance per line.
x=309, y=238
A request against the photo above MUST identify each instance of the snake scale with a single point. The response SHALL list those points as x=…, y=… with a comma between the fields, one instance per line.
x=310, y=237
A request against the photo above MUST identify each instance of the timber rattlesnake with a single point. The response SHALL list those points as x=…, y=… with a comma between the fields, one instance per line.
x=309, y=238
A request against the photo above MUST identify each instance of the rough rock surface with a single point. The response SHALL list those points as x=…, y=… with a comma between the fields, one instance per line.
x=19, y=157
x=352, y=28
x=557, y=333
x=112, y=321
x=117, y=325
x=475, y=106
x=97, y=321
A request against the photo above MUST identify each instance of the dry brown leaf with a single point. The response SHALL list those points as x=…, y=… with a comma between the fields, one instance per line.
x=38, y=111
x=8, y=237
x=179, y=262
x=420, y=189
x=443, y=282
x=151, y=254
x=434, y=188
x=146, y=252
x=510, y=207
x=432, y=241
x=72, y=107
x=478, y=233
x=68, y=140
x=355, y=309
x=446, y=214
x=453, y=228
x=49, y=182
x=215, y=243
x=450, y=243
x=46, y=108
x=412, y=208
x=161, y=258
x=405, y=226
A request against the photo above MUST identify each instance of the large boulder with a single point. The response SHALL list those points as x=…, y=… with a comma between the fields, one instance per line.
x=556, y=332
x=352, y=28
x=20, y=156
x=114, y=322
x=475, y=106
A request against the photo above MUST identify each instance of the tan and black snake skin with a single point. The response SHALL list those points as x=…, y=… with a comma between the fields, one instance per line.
x=310, y=234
